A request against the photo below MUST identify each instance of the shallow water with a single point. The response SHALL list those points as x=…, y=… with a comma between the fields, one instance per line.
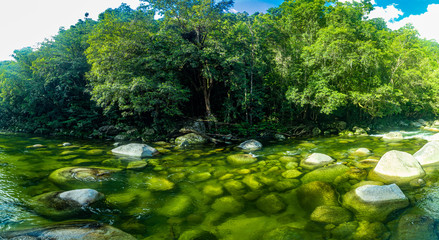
x=208, y=193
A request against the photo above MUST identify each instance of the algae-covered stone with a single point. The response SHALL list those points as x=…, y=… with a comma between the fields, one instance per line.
x=292, y=173
x=252, y=182
x=241, y=159
x=326, y=174
x=78, y=230
x=397, y=167
x=270, y=204
x=245, y=228
x=331, y=215
x=213, y=190
x=74, y=177
x=227, y=204
x=375, y=203
x=344, y=230
x=235, y=187
x=135, y=150
x=122, y=200
x=370, y=230
x=291, y=165
x=155, y=183
x=413, y=226
x=286, y=184
x=62, y=205
x=197, y=235
x=314, y=194
x=428, y=154
x=134, y=165
x=190, y=139
x=176, y=206
x=200, y=177
x=95, y=152
x=316, y=160
x=362, y=152
x=290, y=233
x=250, y=145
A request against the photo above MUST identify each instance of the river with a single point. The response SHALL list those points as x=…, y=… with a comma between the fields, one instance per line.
x=202, y=192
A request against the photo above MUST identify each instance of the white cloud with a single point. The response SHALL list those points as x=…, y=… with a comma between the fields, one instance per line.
x=389, y=13
x=343, y=1
x=25, y=23
x=233, y=10
x=425, y=23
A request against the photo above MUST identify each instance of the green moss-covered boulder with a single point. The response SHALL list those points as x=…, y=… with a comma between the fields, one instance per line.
x=200, y=177
x=228, y=204
x=79, y=177
x=292, y=173
x=235, y=187
x=63, y=205
x=344, y=230
x=252, y=182
x=155, y=183
x=78, y=230
x=290, y=233
x=191, y=139
x=270, y=204
x=245, y=228
x=331, y=215
x=136, y=165
x=286, y=184
x=314, y=194
x=213, y=190
x=241, y=159
x=176, y=206
x=325, y=174
x=197, y=235
x=375, y=203
x=95, y=152
x=122, y=200
x=371, y=230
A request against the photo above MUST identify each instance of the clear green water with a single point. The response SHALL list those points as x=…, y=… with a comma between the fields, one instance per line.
x=200, y=175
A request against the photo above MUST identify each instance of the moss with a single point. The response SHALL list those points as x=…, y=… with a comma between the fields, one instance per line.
x=290, y=233
x=227, y=204
x=200, y=177
x=176, y=206
x=314, y=194
x=213, y=190
x=331, y=215
x=252, y=182
x=326, y=174
x=241, y=159
x=155, y=183
x=270, y=204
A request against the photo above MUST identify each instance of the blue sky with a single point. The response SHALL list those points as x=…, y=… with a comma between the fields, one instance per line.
x=26, y=23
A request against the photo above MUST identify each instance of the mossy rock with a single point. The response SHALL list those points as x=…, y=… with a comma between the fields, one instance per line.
x=290, y=233
x=270, y=204
x=115, y=163
x=252, y=182
x=314, y=194
x=414, y=226
x=155, y=183
x=326, y=174
x=200, y=177
x=137, y=165
x=286, y=184
x=80, y=177
x=122, y=200
x=235, y=187
x=241, y=159
x=331, y=215
x=246, y=228
x=176, y=206
x=228, y=204
x=197, y=235
x=95, y=152
x=344, y=230
x=78, y=230
x=213, y=190
x=371, y=230
x=292, y=173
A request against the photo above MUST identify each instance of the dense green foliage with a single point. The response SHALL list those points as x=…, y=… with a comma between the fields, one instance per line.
x=303, y=61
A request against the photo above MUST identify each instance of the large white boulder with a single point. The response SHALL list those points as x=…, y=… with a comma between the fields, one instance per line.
x=316, y=160
x=135, y=150
x=373, y=202
x=428, y=154
x=397, y=167
x=393, y=137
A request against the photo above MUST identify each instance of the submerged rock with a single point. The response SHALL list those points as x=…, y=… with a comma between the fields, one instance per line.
x=270, y=204
x=370, y=230
x=176, y=206
x=135, y=150
x=316, y=160
x=74, y=177
x=362, y=152
x=375, y=203
x=397, y=167
x=227, y=204
x=290, y=233
x=155, y=183
x=314, y=194
x=61, y=205
x=325, y=174
x=197, y=235
x=87, y=230
x=241, y=159
x=245, y=228
x=413, y=226
x=250, y=145
x=331, y=215
x=428, y=154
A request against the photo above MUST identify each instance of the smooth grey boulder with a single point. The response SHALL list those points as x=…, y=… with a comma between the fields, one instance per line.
x=83, y=197
x=83, y=230
x=414, y=226
x=397, y=167
x=316, y=160
x=135, y=150
x=373, y=202
x=428, y=154
x=250, y=145
x=393, y=137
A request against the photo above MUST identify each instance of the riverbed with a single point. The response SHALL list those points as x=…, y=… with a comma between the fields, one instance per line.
x=196, y=193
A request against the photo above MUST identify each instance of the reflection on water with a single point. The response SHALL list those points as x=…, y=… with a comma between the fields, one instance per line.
x=194, y=189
